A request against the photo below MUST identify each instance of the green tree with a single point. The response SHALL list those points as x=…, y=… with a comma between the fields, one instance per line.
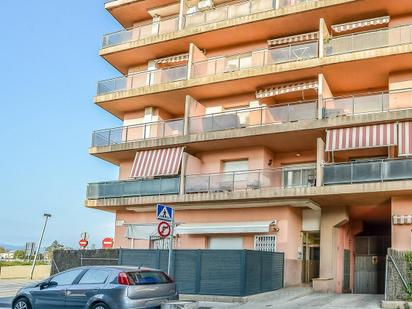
x=55, y=245
x=2, y=250
x=19, y=254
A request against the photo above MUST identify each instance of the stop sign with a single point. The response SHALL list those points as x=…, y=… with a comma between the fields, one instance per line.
x=83, y=243
x=107, y=243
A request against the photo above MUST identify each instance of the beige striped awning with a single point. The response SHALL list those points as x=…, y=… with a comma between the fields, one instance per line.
x=294, y=39
x=286, y=88
x=361, y=24
x=173, y=59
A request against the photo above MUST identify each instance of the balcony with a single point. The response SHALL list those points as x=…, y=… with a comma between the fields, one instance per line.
x=368, y=171
x=209, y=16
x=369, y=40
x=133, y=188
x=142, y=79
x=252, y=180
x=250, y=117
x=258, y=58
x=141, y=32
x=137, y=132
x=368, y=103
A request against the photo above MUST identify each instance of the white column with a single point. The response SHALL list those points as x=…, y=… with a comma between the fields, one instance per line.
x=320, y=156
x=323, y=35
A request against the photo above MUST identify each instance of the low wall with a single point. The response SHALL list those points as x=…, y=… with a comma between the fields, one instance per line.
x=23, y=272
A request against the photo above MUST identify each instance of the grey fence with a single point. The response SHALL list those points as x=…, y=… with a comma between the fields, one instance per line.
x=204, y=272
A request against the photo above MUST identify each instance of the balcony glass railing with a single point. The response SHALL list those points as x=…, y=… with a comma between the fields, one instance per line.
x=142, y=79
x=369, y=40
x=368, y=171
x=212, y=15
x=130, y=188
x=250, y=117
x=254, y=59
x=142, y=31
x=137, y=132
x=368, y=103
x=252, y=180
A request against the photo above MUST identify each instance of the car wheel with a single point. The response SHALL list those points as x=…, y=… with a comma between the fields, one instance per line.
x=100, y=306
x=22, y=303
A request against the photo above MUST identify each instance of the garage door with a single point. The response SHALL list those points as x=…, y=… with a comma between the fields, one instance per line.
x=225, y=243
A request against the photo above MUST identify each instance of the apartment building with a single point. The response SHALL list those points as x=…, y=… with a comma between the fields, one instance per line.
x=276, y=125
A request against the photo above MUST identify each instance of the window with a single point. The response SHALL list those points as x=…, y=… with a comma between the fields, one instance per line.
x=226, y=243
x=299, y=176
x=94, y=276
x=67, y=277
x=149, y=277
x=235, y=166
x=265, y=243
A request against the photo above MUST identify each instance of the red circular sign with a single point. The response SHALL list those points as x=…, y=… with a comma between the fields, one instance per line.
x=83, y=243
x=164, y=229
x=108, y=243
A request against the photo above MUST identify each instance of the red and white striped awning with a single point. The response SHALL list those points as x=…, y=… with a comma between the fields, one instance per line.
x=405, y=139
x=380, y=135
x=361, y=24
x=312, y=36
x=286, y=88
x=158, y=162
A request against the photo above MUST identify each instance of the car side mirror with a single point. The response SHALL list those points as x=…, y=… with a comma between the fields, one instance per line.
x=46, y=285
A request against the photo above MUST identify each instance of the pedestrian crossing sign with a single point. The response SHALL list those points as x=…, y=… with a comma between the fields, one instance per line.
x=164, y=213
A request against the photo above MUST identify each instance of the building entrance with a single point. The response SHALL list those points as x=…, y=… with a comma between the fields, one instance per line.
x=311, y=256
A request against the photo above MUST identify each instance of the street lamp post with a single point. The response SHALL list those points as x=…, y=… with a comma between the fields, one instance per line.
x=47, y=216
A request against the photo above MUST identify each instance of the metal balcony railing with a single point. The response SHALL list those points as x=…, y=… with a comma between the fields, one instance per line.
x=144, y=131
x=368, y=171
x=369, y=40
x=368, y=103
x=252, y=180
x=142, y=79
x=207, y=16
x=131, y=188
x=250, y=117
x=258, y=58
x=141, y=31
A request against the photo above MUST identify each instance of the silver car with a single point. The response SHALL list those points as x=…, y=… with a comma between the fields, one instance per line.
x=99, y=287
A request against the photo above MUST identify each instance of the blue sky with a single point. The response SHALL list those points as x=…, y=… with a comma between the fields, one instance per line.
x=49, y=67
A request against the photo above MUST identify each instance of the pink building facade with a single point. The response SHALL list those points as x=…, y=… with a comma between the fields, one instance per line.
x=263, y=136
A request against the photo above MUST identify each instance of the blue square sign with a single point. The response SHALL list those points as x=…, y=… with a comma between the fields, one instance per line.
x=164, y=213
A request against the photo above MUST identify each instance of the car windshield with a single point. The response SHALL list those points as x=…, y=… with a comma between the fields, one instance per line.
x=149, y=277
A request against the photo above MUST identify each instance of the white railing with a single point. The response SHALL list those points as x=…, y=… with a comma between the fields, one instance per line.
x=369, y=40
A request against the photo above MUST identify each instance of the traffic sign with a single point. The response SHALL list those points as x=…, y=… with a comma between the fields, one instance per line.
x=107, y=243
x=164, y=213
x=164, y=229
x=83, y=243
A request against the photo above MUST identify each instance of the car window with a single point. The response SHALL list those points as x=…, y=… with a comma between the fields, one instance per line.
x=149, y=277
x=67, y=277
x=94, y=276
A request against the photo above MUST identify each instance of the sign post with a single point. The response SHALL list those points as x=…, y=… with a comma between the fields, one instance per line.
x=166, y=215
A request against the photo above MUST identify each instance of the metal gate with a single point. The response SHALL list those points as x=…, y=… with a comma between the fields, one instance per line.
x=370, y=253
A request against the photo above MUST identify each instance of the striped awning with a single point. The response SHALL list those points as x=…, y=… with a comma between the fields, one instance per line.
x=405, y=139
x=173, y=59
x=380, y=135
x=361, y=24
x=286, y=88
x=158, y=162
x=294, y=39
